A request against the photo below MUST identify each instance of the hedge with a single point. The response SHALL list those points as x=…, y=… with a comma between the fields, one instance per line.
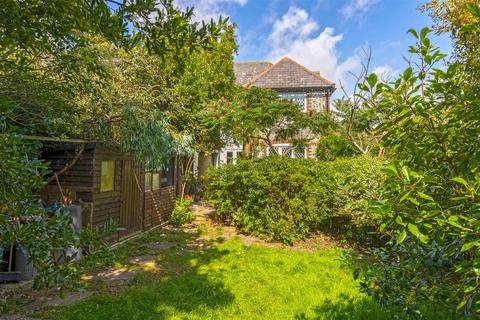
x=286, y=199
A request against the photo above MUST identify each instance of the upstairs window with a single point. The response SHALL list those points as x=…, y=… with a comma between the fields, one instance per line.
x=107, y=176
x=298, y=98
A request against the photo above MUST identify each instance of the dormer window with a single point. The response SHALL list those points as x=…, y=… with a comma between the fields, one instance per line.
x=298, y=98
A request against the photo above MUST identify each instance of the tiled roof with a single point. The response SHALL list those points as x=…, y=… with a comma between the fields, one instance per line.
x=246, y=71
x=285, y=74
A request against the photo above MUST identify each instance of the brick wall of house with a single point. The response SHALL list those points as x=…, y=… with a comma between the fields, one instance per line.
x=317, y=102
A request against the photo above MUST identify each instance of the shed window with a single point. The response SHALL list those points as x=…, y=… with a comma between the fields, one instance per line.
x=168, y=174
x=155, y=181
x=148, y=181
x=107, y=176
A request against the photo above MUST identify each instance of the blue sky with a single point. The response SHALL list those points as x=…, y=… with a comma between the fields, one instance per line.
x=324, y=35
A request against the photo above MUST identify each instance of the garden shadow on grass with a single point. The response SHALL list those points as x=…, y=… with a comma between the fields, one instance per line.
x=347, y=308
x=184, y=285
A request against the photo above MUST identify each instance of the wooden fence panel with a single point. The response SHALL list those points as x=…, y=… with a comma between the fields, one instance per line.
x=131, y=207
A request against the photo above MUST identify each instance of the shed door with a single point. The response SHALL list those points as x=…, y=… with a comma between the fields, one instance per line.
x=131, y=209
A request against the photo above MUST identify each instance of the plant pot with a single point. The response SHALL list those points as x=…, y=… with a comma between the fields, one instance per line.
x=10, y=276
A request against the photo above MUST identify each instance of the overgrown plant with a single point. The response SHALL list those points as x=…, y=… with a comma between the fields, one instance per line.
x=430, y=204
x=335, y=145
x=181, y=214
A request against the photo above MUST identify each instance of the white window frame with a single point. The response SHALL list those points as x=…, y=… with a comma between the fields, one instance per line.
x=282, y=146
x=235, y=156
x=295, y=97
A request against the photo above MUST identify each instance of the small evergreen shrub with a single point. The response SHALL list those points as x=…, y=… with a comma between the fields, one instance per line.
x=333, y=146
x=181, y=214
x=285, y=199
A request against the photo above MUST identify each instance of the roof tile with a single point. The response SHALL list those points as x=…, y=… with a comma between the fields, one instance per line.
x=246, y=71
x=289, y=74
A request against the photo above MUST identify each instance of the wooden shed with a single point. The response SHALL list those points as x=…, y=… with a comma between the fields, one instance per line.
x=110, y=184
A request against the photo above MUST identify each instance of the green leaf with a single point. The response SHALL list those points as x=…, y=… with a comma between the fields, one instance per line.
x=414, y=201
x=405, y=196
x=474, y=9
x=407, y=74
x=406, y=173
x=382, y=227
x=392, y=168
x=423, y=238
x=417, y=119
x=413, y=32
x=399, y=220
x=414, y=230
x=363, y=87
x=402, y=236
x=425, y=196
x=424, y=32
x=458, y=198
x=468, y=245
x=372, y=79
x=460, y=180
x=455, y=224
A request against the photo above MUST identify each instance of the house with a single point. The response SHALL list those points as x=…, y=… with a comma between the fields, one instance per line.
x=292, y=81
x=110, y=184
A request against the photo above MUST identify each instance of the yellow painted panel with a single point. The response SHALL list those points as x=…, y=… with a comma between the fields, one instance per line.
x=155, y=181
x=148, y=181
x=107, y=181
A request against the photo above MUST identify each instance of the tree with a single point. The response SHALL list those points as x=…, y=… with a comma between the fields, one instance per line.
x=100, y=70
x=259, y=117
x=430, y=126
x=357, y=120
x=207, y=77
x=35, y=28
x=460, y=18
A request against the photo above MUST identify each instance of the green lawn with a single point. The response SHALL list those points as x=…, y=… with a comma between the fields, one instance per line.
x=215, y=279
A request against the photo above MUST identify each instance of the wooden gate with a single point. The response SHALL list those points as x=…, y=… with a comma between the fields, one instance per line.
x=131, y=209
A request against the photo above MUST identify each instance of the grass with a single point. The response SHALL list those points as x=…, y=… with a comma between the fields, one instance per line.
x=217, y=279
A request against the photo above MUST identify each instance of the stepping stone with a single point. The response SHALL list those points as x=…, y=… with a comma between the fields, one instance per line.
x=160, y=246
x=116, y=275
x=70, y=298
x=141, y=260
x=147, y=263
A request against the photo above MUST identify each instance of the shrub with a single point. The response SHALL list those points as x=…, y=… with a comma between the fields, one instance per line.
x=285, y=199
x=431, y=197
x=332, y=146
x=181, y=214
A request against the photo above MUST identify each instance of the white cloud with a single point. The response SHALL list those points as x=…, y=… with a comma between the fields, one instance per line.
x=297, y=36
x=356, y=7
x=295, y=19
x=207, y=9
